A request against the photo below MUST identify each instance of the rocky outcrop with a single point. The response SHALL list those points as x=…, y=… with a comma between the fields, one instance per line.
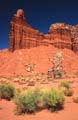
x=74, y=33
x=60, y=34
x=64, y=36
x=22, y=35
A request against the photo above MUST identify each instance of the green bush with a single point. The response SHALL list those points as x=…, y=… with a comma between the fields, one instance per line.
x=54, y=99
x=6, y=91
x=28, y=101
x=33, y=100
x=65, y=84
x=66, y=89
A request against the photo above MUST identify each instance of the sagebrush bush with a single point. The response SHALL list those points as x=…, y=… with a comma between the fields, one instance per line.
x=54, y=99
x=66, y=88
x=28, y=101
x=6, y=91
x=33, y=100
x=65, y=84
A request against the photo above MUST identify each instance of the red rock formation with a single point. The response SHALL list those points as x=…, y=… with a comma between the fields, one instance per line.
x=60, y=34
x=75, y=38
x=22, y=35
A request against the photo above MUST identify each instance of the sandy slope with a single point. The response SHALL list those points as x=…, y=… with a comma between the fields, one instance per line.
x=15, y=63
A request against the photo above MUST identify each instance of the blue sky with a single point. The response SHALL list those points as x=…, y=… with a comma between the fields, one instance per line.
x=39, y=13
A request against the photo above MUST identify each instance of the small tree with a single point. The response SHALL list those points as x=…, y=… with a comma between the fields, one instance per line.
x=57, y=69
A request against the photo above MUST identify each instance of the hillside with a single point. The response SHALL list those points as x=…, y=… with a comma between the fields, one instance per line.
x=14, y=63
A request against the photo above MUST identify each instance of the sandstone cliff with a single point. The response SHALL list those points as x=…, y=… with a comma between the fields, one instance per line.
x=22, y=35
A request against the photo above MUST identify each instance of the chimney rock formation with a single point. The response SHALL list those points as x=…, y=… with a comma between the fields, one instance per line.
x=22, y=35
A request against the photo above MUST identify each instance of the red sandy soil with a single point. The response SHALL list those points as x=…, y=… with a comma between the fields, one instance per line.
x=14, y=63
x=70, y=111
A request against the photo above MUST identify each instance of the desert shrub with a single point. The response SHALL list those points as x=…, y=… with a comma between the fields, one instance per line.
x=65, y=84
x=28, y=101
x=54, y=99
x=75, y=99
x=68, y=92
x=66, y=89
x=6, y=91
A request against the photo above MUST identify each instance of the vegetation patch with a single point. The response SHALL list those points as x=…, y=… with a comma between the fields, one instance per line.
x=6, y=91
x=33, y=100
x=54, y=99
x=66, y=88
x=65, y=84
x=28, y=101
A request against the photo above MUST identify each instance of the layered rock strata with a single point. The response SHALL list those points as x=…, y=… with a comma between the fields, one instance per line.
x=22, y=35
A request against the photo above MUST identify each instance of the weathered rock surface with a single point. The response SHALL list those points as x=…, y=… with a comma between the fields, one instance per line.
x=22, y=35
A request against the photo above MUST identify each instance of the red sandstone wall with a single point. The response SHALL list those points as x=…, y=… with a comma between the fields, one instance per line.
x=22, y=35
